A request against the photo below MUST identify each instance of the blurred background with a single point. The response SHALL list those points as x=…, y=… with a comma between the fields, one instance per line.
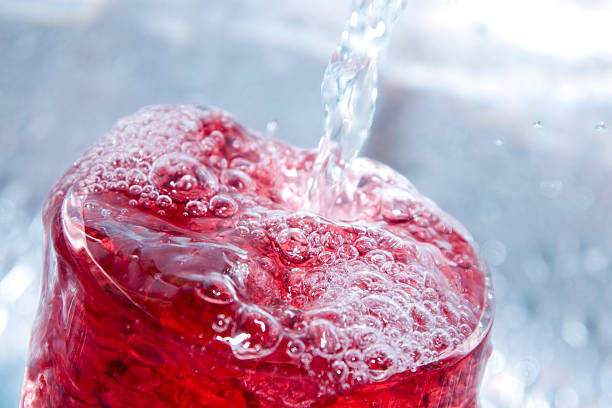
x=499, y=111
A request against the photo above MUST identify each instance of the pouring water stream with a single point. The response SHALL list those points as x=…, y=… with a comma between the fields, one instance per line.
x=349, y=91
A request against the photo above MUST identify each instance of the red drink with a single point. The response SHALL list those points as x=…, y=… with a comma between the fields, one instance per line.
x=180, y=273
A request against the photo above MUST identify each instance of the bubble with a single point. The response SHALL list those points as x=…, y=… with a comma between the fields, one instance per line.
x=332, y=240
x=216, y=138
x=380, y=361
x=339, y=371
x=430, y=294
x=223, y=205
x=251, y=216
x=359, y=378
x=353, y=358
x=236, y=179
x=98, y=170
x=440, y=340
x=396, y=205
x=258, y=235
x=306, y=359
x=216, y=288
x=196, y=208
x=326, y=257
x=120, y=174
x=183, y=176
x=325, y=338
x=601, y=125
x=379, y=257
x=464, y=329
x=365, y=244
x=267, y=264
x=421, y=318
x=347, y=251
x=117, y=159
x=242, y=230
x=163, y=201
x=255, y=334
x=217, y=162
x=243, y=165
x=295, y=348
x=379, y=306
x=368, y=281
x=293, y=245
x=221, y=323
x=96, y=188
x=144, y=167
x=372, y=323
x=136, y=177
x=537, y=124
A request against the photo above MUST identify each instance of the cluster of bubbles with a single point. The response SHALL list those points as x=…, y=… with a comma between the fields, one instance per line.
x=371, y=304
x=350, y=303
x=174, y=158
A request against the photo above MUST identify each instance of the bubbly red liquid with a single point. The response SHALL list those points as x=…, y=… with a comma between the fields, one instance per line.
x=181, y=273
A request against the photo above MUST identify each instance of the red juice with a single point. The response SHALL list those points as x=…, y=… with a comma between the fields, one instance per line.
x=181, y=272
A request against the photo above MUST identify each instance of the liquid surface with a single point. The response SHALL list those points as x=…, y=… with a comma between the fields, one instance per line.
x=182, y=273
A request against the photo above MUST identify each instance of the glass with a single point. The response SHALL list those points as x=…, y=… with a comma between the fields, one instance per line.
x=178, y=273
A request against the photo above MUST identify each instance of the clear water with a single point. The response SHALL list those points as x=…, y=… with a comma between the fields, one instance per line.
x=348, y=92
